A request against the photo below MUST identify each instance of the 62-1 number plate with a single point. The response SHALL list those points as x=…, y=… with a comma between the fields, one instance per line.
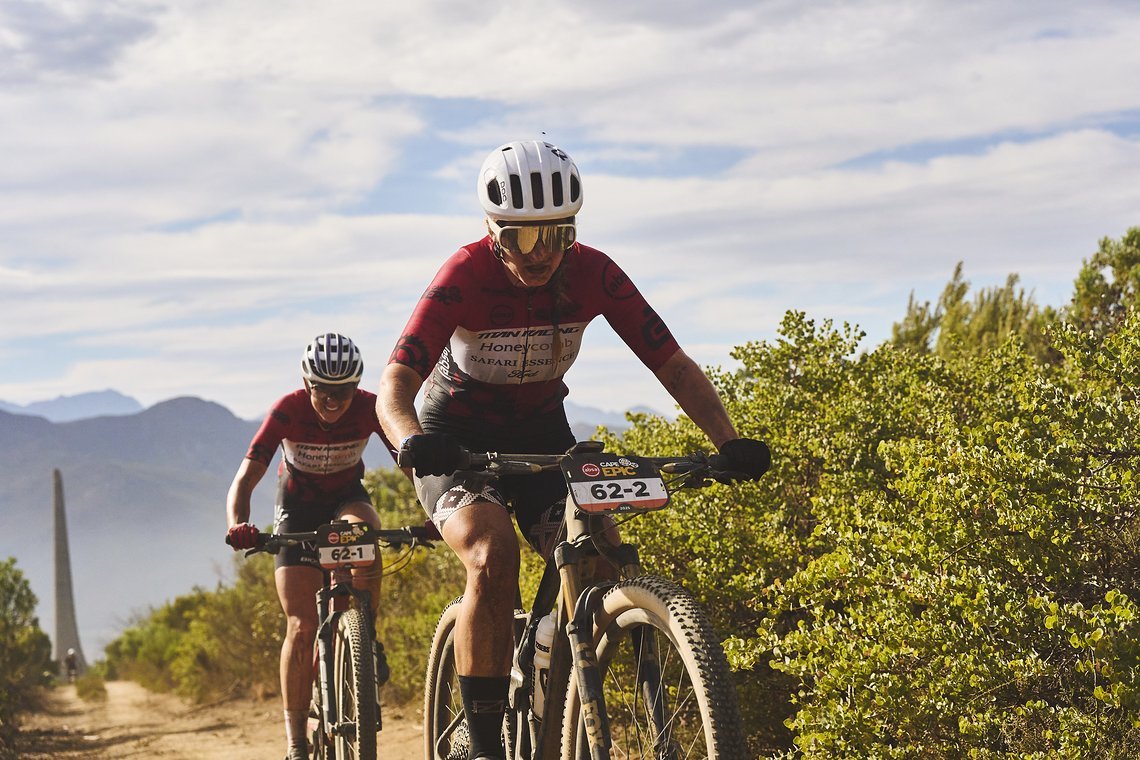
x=613, y=483
x=345, y=545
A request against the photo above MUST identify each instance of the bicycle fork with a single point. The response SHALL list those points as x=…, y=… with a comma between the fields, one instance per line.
x=326, y=652
x=579, y=632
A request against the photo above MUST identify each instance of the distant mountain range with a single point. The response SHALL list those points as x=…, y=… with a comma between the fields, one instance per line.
x=81, y=406
x=145, y=495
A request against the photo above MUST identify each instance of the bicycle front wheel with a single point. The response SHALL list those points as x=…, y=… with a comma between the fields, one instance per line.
x=667, y=686
x=354, y=736
x=445, y=730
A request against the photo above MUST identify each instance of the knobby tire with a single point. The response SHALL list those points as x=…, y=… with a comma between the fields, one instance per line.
x=355, y=684
x=696, y=704
x=442, y=702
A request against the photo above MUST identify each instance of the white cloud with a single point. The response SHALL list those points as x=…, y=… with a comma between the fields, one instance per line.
x=180, y=180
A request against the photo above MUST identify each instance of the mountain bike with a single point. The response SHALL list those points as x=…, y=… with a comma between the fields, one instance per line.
x=345, y=712
x=635, y=669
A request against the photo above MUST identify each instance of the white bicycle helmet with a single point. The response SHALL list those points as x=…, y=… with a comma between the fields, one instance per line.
x=332, y=359
x=529, y=180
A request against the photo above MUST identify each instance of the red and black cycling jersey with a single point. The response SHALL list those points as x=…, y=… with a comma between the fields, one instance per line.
x=316, y=459
x=499, y=351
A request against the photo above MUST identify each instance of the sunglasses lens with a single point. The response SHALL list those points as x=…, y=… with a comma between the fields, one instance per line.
x=559, y=237
x=522, y=240
x=338, y=392
x=509, y=239
x=527, y=237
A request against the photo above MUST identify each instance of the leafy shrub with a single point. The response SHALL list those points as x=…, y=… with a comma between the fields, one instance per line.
x=25, y=651
x=942, y=561
x=91, y=687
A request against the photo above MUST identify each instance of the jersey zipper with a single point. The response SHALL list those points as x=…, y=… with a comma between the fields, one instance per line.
x=526, y=334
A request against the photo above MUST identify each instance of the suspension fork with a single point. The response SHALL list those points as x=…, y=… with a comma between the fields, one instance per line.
x=325, y=654
x=571, y=558
x=331, y=603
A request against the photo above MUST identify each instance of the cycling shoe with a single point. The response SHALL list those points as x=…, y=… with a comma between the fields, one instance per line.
x=380, y=660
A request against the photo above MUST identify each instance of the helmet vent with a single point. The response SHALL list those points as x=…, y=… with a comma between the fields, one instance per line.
x=575, y=188
x=536, y=190
x=516, y=191
x=556, y=188
x=494, y=194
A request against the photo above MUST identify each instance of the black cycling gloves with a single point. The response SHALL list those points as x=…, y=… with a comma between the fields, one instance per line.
x=744, y=458
x=433, y=453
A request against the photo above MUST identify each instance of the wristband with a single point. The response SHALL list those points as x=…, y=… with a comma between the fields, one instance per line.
x=405, y=440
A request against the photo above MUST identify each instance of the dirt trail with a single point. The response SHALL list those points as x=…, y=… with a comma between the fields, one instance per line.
x=136, y=723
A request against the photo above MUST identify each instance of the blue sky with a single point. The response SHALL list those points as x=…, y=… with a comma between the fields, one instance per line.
x=192, y=189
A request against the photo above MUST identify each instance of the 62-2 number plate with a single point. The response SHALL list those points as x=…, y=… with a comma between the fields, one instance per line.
x=613, y=483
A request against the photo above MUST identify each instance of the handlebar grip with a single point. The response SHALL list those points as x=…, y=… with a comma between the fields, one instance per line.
x=405, y=459
x=259, y=542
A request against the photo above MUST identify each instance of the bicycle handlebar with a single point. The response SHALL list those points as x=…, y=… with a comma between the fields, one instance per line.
x=699, y=466
x=393, y=538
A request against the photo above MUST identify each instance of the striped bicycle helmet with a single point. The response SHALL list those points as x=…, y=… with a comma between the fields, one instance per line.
x=332, y=359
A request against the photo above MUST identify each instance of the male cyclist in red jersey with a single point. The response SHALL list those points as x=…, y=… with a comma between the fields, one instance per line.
x=492, y=337
x=322, y=430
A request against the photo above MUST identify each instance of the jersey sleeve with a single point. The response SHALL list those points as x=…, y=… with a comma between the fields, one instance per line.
x=369, y=400
x=438, y=312
x=633, y=318
x=269, y=435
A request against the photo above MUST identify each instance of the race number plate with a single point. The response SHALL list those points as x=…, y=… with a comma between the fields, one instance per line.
x=614, y=483
x=345, y=545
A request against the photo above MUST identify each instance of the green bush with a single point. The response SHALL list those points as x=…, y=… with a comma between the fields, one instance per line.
x=942, y=561
x=91, y=687
x=25, y=652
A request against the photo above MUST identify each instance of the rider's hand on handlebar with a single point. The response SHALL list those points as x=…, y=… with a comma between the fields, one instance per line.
x=744, y=458
x=243, y=536
x=433, y=453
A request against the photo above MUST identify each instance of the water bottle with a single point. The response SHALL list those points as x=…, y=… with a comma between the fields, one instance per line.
x=543, y=640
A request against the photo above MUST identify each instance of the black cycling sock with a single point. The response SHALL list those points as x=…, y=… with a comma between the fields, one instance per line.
x=484, y=702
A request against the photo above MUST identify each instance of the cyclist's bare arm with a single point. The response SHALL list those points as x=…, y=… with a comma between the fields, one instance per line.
x=691, y=388
x=396, y=402
x=249, y=474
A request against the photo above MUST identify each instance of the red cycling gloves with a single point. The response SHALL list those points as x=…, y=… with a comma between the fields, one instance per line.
x=243, y=536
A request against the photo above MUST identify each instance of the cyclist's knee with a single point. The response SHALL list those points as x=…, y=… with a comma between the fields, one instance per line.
x=301, y=628
x=492, y=553
x=360, y=512
x=492, y=570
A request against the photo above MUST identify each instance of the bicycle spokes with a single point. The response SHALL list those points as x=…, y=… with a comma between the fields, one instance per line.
x=651, y=700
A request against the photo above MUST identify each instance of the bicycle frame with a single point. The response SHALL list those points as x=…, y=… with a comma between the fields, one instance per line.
x=568, y=574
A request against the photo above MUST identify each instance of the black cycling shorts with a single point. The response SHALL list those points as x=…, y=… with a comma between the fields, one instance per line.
x=296, y=514
x=538, y=501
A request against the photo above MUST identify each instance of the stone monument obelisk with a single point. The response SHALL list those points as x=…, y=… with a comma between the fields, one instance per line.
x=66, y=627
